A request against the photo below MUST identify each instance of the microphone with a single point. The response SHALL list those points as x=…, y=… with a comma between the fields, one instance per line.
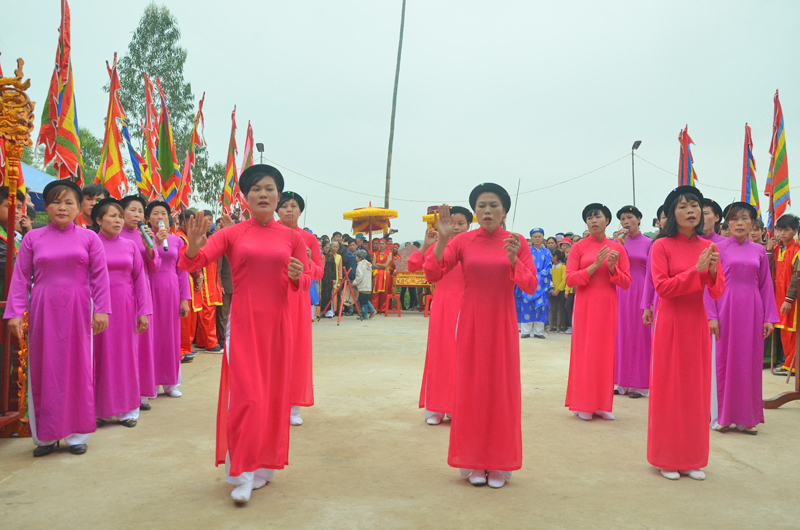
x=161, y=225
x=145, y=235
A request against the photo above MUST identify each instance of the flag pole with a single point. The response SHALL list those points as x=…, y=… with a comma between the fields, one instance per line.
x=394, y=107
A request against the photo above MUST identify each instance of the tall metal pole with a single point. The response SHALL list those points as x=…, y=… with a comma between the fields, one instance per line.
x=394, y=108
x=634, y=147
x=633, y=177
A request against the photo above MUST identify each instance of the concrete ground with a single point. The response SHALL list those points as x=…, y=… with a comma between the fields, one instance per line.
x=365, y=459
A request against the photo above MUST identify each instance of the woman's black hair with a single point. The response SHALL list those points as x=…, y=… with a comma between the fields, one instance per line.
x=255, y=173
x=596, y=208
x=490, y=187
x=557, y=253
x=546, y=241
x=671, y=228
x=101, y=207
x=287, y=196
x=58, y=188
x=462, y=211
x=153, y=205
x=125, y=201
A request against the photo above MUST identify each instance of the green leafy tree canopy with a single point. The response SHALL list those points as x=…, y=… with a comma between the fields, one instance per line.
x=154, y=49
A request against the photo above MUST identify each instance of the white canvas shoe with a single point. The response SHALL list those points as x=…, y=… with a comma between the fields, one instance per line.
x=435, y=419
x=478, y=477
x=496, y=479
x=241, y=494
x=695, y=474
x=671, y=474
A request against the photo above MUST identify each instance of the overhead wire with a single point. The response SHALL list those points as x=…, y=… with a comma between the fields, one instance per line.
x=626, y=155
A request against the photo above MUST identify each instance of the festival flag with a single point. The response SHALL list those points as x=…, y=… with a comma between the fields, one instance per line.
x=150, y=132
x=247, y=161
x=777, y=186
x=231, y=182
x=169, y=169
x=195, y=140
x=110, y=173
x=59, y=128
x=686, y=173
x=141, y=171
x=749, y=187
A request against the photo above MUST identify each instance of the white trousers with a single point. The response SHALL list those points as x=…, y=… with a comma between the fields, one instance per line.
x=248, y=476
x=714, y=404
x=130, y=415
x=625, y=389
x=467, y=472
x=535, y=328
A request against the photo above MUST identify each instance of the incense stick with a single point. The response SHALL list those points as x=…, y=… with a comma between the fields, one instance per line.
x=516, y=201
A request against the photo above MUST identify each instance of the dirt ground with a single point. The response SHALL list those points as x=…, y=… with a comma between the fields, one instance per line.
x=365, y=458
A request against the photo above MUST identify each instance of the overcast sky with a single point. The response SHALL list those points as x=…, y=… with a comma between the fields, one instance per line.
x=489, y=92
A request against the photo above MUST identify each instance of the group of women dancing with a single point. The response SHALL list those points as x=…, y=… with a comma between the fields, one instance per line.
x=104, y=315
x=650, y=318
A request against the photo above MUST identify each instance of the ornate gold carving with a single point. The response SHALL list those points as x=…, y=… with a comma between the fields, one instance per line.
x=16, y=125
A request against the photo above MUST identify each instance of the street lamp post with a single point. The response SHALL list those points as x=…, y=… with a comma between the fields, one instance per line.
x=636, y=145
x=260, y=148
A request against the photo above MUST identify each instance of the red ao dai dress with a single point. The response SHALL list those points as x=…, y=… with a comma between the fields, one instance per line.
x=255, y=383
x=594, y=325
x=486, y=430
x=680, y=369
x=438, y=378
x=300, y=301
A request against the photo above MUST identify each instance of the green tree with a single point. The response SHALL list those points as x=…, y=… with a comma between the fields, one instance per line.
x=207, y=184
x=154, y=49
x=35, y=158
x=92, y=152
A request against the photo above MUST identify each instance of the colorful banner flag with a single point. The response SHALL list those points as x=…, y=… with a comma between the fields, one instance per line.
x=196, y=140
x=110, y=173
x=141, y=171
x=59, y=128
x=150, y=132
x=777, y=186
x=169, y=169
x=686, y=172
x=247, y=161
x=749, y=187
x=231, y=182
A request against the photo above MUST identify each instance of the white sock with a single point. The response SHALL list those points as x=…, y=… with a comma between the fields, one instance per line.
x=294, y=416
x=262, y=478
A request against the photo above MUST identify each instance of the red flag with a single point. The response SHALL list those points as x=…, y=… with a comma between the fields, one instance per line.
x=195, y=140
x=59, y=128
